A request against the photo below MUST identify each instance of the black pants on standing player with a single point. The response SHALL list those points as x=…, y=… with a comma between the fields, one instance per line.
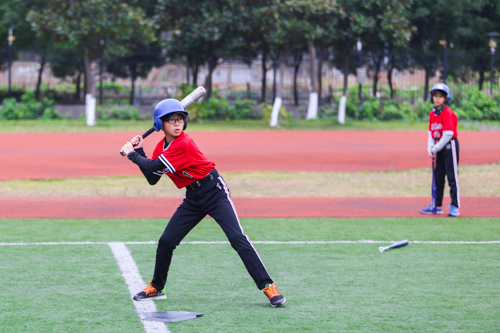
x=447, y=165
x=213, y=198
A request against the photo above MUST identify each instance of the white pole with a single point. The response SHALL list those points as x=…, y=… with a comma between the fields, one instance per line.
x=342, y=103
x=90, y=109
x=275, y=112
x=312, y=109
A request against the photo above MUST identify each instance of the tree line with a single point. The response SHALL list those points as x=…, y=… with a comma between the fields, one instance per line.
x=131, y=36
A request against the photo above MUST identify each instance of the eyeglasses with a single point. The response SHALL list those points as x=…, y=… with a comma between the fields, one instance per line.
x=176, y=120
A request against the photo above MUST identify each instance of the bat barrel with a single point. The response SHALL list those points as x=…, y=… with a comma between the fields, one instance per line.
x=399, y=244
x=193, y=96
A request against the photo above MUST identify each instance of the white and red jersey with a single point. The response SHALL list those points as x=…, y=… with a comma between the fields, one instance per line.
x=445, y=121
x=184, y=162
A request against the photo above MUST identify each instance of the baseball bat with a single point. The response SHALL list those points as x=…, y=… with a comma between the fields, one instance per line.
x=433, y=188
x=393, y=246
x=186, y=101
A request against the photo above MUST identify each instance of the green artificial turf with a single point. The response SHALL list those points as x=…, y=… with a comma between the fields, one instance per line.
x=329, y=287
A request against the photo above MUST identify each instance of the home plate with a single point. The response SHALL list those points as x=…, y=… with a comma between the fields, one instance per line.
x=168, y=316
x=154, y=298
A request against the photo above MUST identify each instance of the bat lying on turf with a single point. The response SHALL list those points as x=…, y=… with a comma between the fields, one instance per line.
x=187, y=101
x=393, y=246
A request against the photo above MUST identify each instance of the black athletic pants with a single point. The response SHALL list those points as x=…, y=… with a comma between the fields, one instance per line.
x=213, y=199
x=447, y=165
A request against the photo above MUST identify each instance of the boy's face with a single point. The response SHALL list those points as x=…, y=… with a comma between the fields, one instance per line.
x=438, y=98
x=174, y=126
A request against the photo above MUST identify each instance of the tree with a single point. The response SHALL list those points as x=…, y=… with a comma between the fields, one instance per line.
x=397, y=58
x=108, y=26
x=262, y=25
x=67, y=61
x=206, y=32
x=480, y=18
x=4, y=31
x=139, y=64
x=305, y=24
x=390, y=30
x=15, y=12
x=145, y=56
x=297, y=56
x=296, y=26
x=285, y=36
x=434, y=20
x=353, y=22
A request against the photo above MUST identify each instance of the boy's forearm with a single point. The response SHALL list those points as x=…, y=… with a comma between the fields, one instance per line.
x=447, y=136
x=147, y=166
x=430, y=143
x=140, y=151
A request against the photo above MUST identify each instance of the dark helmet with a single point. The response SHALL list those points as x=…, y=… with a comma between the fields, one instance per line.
x=166, y=107
x=443, y=88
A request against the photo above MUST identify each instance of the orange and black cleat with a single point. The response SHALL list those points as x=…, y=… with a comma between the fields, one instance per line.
x=149, y=292
x=274, y=295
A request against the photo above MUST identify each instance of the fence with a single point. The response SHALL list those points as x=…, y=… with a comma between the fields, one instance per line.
x=234, y=79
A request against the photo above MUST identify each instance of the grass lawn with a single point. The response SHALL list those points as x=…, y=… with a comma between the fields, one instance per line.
x=403, y=183
x=329, y=287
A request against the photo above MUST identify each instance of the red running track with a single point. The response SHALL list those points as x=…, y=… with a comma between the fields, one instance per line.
x=113, y=207
x=67, y=155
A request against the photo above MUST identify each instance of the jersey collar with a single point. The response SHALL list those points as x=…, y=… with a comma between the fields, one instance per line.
x=437, y=110
x=165, y=145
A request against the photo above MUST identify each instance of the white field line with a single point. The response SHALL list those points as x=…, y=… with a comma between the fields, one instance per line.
x=363, y=241
x=135, y=284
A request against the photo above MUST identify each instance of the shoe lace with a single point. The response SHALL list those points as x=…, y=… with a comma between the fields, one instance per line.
x=271, y=291
x=150, y=290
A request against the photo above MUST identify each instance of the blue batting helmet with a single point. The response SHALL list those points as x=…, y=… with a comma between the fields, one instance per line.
x=166, y=107
x=443, y=88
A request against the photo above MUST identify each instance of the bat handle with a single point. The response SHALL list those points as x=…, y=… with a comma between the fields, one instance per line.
x=149, y=131
x=381, y=249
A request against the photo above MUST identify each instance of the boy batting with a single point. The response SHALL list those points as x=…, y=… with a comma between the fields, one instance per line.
x=443, y=147
x=178, y=157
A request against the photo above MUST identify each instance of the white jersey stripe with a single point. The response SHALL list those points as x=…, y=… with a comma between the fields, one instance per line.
x=167, y=164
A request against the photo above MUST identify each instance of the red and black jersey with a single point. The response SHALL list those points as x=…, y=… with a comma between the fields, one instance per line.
x=183, y=160
x=444, y=121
